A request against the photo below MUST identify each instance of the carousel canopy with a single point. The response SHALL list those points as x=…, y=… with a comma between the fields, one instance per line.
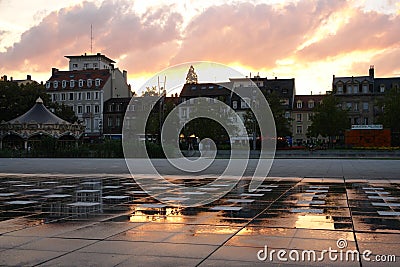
x=39, y=114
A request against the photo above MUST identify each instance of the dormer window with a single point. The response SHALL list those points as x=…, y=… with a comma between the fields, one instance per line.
x=97, y=82
x=365, y=88
x=299, y=104
x=47, y=84
x=80, y=83
x=55, y=84
x=71, y=83
x=64, y=83
x=382, y=88
x=340, y=88
x=89, y=83
x=349, y=89
x=355, y=88
x=311, y=104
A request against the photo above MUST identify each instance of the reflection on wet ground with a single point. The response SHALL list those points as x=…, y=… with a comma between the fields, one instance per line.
x=110, y=220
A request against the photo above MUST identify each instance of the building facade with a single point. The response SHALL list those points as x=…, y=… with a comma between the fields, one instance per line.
x=90, y=81
x=302, y=113
x=113, y=114
x=360, y=95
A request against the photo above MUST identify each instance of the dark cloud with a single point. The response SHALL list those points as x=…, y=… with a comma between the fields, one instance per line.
x=116, y=32
x=254, y=35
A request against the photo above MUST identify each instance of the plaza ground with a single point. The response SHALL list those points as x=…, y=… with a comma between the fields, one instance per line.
x=90, y=212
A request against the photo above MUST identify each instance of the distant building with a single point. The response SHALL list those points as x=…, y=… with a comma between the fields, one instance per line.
x=303, y=110
x=26, y=81
x=360, y=94
x=113, y=114
x=90, y=81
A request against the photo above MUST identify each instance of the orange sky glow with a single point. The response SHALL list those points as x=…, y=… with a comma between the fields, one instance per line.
x=309, y=40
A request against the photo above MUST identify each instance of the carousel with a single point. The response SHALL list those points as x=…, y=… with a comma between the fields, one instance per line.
x=27, y=131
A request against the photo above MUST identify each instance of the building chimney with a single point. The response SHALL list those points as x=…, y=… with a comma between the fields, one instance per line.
x=371, y=71
x=11, y=79
x=5, y=78
x=125, y=74
x=29, y=77
x=53, y=70
x=276, y=78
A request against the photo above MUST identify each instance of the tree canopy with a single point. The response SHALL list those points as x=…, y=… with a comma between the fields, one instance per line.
x=329, y=119
x=391, y=109
x=15, y=100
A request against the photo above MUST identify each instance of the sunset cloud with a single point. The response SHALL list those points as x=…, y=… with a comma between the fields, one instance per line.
x=292, y=39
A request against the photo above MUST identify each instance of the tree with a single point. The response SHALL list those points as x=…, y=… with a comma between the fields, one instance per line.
x=329, y=119
x=282, y=124
x=390, y=105
x=151, y=91
x=16, y=100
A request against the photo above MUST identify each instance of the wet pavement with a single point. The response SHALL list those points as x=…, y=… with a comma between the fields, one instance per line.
x=108, y=220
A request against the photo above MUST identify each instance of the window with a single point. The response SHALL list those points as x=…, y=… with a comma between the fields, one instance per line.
x=55, y=84
x=234, y=104
x=88, y=96
x=80, y=83
x=287, y=114
x=79, y=96
x=118, y=121
x=340, y=89
x=356, y=106
x=365, y=106
x=85, y=65
x=89, y=83
x=243, y=104
x=131, y=107
x=183, y=112
x=110, y=122
x=299, y=104
x=309, y=116
x=74, y=65
x=64, y=83
x=80, y=109
x=193, y=87
x=211, y=87
x=349, y=89
x=95, y=65
x=96, y=95
x=47, y=84
x=72, y=83
x=87, y=109
x=355, y=88
x=71, y=96
x=349, y=105
x=203, y=87
x=382, y=88
x=299, y=117
x=62, y=97
x=284, y=91
x=118, y=107
x=299, y=129
x=97, y=82
x=365, y=88
x=311, y=104
x=54, y=97
x=96, y=109
x=111, y=108
x=366, y=121
x=285, y=102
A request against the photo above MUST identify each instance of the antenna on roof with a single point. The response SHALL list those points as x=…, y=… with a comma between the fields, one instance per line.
x=91, y=39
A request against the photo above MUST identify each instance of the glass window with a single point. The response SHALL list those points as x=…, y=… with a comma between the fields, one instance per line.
x=340, y=89
x=64, y=83
x=88, y=96
x=365, y=106
x=311, y=104
x=55, y=84
x=87, y=109
x=110, y=122
x=63, y=97
x=97, y=82
x=299, y=104
x=96, y=95
x=298, y=117
x=80, y=83
x=72, y=83
x=234, y=104
x=71, y=96
x=89, y=83
x=79, y=96
x=47, y=84
x=80, y=109
x=365, y=88
x=349, y=89
x=299, y=129
x=96, y=109
x=382, y=88
x=118, y=121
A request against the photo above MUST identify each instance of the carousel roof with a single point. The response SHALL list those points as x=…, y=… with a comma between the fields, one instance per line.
x=39, y=114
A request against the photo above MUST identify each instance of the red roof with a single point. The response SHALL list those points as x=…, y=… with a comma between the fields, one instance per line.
x=86, y=76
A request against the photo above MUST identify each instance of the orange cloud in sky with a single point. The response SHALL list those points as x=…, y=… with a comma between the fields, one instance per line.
x=307, y=40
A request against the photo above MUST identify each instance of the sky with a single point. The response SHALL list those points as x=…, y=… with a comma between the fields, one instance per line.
x=309, y=40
